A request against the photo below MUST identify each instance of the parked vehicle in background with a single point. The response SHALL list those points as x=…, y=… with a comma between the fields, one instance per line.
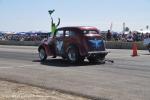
x=74, y=44
x=147, y=43
x=1, y=36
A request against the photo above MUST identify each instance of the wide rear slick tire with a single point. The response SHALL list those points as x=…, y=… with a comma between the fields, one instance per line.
x=42, y=54
x=73, y=55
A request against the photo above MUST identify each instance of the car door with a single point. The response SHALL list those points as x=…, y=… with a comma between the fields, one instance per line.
x=59, y=37
x=70, y=38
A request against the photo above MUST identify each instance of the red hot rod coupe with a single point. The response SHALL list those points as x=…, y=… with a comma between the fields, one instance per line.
x=74, y=44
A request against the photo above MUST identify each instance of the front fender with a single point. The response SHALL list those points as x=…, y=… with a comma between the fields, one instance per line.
x=46, y=48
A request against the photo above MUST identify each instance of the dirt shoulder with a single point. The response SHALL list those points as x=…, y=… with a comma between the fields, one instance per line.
x=16, y=91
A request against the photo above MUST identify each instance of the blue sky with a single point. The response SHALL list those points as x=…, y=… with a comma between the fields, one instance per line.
x=27, y=15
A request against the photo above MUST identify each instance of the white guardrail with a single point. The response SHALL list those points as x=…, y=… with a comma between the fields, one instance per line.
x=109, y=44
x=146, y=41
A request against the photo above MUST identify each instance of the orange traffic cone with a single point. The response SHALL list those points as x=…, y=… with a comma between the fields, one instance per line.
x=134, y=50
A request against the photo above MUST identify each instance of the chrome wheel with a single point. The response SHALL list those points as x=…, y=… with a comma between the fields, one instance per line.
x=72, y=55
x=42, y=54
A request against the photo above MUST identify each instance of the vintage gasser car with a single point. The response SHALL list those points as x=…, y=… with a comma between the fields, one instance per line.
x=74, y=44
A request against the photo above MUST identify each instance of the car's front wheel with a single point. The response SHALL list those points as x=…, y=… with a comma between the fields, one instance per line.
x=42, y=54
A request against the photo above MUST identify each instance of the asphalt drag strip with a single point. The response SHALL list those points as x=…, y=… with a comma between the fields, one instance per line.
x=126, y=79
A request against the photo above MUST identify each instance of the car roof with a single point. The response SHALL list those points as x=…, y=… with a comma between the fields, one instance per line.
x=80, y=27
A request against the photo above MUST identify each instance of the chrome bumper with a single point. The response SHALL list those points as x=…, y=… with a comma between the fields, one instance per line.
x=98, y=52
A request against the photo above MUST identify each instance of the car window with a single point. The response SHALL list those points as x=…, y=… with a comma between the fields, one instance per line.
x=90, y=32
x=67, y=33
x=59, y=33
x=70, y=33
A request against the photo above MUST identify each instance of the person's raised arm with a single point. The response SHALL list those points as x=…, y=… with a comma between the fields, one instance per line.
x=58, y=22
x=52, y=21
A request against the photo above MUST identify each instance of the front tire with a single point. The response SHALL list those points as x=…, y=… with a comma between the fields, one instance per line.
x=42, y=54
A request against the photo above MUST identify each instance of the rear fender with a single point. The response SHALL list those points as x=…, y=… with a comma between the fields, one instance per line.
x=80, y=49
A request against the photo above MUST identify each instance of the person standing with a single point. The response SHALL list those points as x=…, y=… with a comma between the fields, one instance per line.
x=53, y=29
x=109, y=35
x=53, y=25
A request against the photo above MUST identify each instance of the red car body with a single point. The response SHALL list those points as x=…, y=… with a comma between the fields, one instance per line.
x=74, y=44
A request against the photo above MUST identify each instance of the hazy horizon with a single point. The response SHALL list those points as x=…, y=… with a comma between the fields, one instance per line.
x=28, y=15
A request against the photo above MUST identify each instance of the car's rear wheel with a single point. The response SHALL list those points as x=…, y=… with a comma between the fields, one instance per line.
x=42, y=54
x=73, y=55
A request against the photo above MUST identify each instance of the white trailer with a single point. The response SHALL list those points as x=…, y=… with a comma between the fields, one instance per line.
x=146, y=42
